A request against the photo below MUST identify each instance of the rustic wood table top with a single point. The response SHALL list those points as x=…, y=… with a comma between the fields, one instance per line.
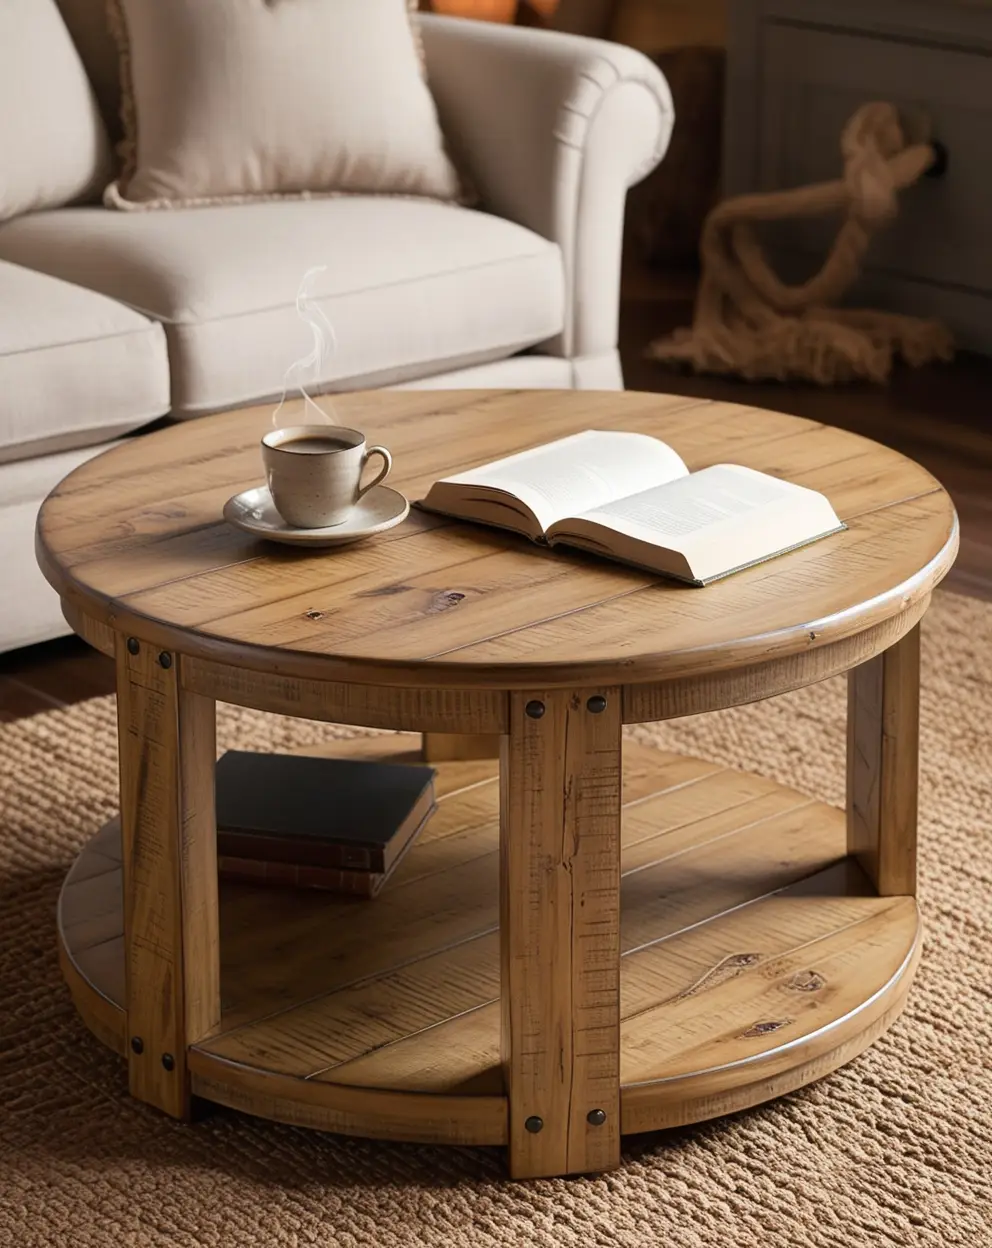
x=135, y=539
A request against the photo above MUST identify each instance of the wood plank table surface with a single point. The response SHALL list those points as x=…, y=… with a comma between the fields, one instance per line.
x=608, y=938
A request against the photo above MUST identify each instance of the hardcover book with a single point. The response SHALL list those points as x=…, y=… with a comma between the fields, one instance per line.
x=332, y=814
x=630, y=497
x=326, y=879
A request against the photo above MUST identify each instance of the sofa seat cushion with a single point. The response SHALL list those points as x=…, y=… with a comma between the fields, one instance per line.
x=30, y=610
x=408, y=288
x=76, y=368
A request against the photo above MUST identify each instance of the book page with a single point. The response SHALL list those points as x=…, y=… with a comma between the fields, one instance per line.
x=719, y=518
x=696, y=502
x=578, y=473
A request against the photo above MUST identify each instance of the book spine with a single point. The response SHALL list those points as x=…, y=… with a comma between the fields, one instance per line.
x=252, y=845
x=292, y=875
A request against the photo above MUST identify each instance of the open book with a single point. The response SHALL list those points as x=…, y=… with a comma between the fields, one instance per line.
x=630, y=497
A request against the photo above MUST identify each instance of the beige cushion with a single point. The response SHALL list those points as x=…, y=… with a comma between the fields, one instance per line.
x=410, y=287
x=53, y=147
x=519, y=372
x=75, y=368
x=30, y=610
x=236, y=99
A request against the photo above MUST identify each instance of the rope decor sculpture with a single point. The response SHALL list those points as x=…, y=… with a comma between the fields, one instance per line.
x=747, y=322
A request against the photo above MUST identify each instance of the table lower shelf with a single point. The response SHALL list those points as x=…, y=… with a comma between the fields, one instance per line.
x=756, y=958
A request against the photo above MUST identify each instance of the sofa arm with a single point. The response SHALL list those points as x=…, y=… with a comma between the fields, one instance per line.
x=553, y=129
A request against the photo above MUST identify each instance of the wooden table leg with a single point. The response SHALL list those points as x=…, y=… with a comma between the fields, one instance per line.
x=560, y=781
x=172, y=960
x=882, y=763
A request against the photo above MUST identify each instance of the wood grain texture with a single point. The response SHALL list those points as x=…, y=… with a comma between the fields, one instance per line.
x=169, y=878
x=106, y=1019
x=883, y=738
x=469, y=711
x=93, y=631
x=135, y=535
x=560, y=779
x=814, y=990
x=443, y=747
x=755, y=956
x=371, y=1112
x=693, y=695
x=659, y=1106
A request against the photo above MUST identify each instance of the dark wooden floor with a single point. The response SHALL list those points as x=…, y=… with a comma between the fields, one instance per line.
x=940, y=416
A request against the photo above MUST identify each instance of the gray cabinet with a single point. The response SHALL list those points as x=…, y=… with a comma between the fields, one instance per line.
x=797, y=69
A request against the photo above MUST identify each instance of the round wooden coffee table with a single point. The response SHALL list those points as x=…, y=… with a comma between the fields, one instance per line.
x=558, y=959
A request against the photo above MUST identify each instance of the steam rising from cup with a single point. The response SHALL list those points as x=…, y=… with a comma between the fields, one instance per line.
x=309, y=368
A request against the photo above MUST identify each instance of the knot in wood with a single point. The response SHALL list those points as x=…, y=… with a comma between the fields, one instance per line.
x=806, y=981
x=445, y=600
x=314, y=615
x=764, y=1028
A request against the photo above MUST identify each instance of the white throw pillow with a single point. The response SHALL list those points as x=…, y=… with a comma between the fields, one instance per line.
x=53, y=146
x=232, y=100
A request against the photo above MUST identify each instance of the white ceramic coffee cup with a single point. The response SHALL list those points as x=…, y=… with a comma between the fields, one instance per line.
x=315, y=472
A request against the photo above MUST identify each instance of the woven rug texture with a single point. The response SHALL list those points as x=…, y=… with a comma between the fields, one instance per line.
x=894, y=1149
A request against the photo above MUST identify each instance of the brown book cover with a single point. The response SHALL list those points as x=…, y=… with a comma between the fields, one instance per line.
x=286, y=875
x=330, y=813
x=326, y=879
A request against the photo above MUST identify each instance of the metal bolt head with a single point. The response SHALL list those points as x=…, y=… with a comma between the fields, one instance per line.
x=534, y=1124
x=596, y=1117
x=165, y=659
x=596, y=704
x=137, y=1044
x=168, y=1061
x=133, y=645
x=535, y=709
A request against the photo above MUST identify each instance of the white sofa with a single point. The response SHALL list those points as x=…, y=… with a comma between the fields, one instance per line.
x=110, y=320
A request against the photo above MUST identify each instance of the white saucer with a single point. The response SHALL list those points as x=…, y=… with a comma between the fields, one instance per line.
x=254, y=511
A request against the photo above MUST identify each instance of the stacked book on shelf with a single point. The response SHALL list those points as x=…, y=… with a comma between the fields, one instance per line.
x=310, y=822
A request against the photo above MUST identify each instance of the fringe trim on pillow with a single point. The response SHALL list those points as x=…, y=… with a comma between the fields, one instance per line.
x=127, y=148
x=113, y=197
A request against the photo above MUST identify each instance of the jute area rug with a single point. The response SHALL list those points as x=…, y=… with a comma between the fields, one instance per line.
x=895, y=1149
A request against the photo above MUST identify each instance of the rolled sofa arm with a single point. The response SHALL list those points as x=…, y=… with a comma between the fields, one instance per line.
x=553, y=129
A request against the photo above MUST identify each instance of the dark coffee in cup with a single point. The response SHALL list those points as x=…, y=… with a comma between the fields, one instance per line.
x=315, y=445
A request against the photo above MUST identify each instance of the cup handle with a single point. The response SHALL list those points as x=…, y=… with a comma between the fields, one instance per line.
x=387, y=464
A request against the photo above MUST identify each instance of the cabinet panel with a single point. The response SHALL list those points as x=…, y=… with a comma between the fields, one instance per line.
x=812, y=80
